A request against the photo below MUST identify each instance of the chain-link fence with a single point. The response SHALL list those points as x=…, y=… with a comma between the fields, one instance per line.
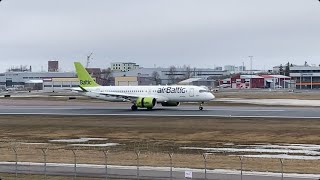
x=60, y=161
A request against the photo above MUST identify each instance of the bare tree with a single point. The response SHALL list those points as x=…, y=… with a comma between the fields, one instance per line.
x=172, y=74
x=156, y=77
x=188, y=72
x=106, y=73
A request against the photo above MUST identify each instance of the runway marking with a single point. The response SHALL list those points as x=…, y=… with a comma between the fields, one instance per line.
x=184, y=109
x=163, y=115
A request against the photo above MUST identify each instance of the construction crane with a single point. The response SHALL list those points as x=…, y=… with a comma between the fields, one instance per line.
x=88, y=60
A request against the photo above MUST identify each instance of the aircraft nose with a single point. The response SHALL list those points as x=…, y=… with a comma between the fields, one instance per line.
x=211, y=96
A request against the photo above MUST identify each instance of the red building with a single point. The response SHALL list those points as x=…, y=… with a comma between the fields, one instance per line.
x=243, y=82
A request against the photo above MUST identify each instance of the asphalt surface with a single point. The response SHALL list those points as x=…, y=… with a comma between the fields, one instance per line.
x=124, y=110
x=185, y=110
x=132, y=172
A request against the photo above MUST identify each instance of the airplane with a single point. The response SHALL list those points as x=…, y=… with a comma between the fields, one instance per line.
x=141, y=96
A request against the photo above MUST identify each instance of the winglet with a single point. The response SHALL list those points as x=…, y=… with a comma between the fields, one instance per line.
x=84, y=77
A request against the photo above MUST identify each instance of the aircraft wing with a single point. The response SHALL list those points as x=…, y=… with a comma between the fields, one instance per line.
x=129, y=97
x=77, y=89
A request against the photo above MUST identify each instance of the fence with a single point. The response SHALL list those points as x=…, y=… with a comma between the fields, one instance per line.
x=45, y=160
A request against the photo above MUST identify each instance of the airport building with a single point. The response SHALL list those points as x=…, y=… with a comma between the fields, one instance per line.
x=255, y=81
x=278, y=81
x=306, y=77
x=199, y=82
x=154, y=76
x=124, y=66
x=59, y=84
x=126, y=81
x=38, y=80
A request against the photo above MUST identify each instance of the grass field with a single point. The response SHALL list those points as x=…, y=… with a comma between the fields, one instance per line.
x=155, y=137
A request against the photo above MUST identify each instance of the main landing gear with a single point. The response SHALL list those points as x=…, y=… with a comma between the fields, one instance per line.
x=200, y=107
x=134, y=107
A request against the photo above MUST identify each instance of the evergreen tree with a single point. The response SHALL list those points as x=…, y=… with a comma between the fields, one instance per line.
x=280, y=69
x=287, y=70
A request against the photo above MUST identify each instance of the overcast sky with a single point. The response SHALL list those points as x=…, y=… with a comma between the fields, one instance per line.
x=201, y=33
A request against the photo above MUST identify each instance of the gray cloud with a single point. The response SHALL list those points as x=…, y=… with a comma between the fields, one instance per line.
x=199, y=33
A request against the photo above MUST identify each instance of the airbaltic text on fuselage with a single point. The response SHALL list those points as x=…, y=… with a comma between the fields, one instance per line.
x=172, y=90
x=85, y=82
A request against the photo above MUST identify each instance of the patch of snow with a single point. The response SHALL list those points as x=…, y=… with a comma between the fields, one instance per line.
x=96, y=145
x=228, y=144
x=288, y=146
x=35, y=143
x=80, y=140
x=257, y=150
x=282, y=156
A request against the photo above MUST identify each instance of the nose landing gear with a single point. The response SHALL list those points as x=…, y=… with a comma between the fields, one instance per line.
x=200, y=107
x=134, y=107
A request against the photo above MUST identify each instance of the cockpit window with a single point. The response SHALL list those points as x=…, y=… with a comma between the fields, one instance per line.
x=203, y=90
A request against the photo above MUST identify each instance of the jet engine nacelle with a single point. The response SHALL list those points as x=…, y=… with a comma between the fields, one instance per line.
x=146, y=102
x=170, y=103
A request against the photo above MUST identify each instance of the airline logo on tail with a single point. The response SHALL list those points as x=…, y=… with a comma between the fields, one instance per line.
x=84, y=77
x=85, y=82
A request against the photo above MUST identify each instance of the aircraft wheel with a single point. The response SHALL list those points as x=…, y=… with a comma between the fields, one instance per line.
x=200, y=108
x=134, y=108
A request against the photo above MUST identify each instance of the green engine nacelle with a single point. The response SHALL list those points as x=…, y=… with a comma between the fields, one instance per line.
x=146, y=102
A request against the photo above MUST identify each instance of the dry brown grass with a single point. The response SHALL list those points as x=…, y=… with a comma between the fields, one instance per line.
x=179, y=130
x=157, y=136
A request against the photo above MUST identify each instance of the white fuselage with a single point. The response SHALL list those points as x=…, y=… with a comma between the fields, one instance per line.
x=161, y=93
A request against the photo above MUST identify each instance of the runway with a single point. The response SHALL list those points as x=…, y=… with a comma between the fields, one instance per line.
x=181, y=111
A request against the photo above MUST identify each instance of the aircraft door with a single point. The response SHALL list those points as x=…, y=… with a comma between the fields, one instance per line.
x=191, y=92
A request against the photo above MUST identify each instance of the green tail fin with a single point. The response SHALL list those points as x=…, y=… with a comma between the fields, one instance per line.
x=84, y=77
